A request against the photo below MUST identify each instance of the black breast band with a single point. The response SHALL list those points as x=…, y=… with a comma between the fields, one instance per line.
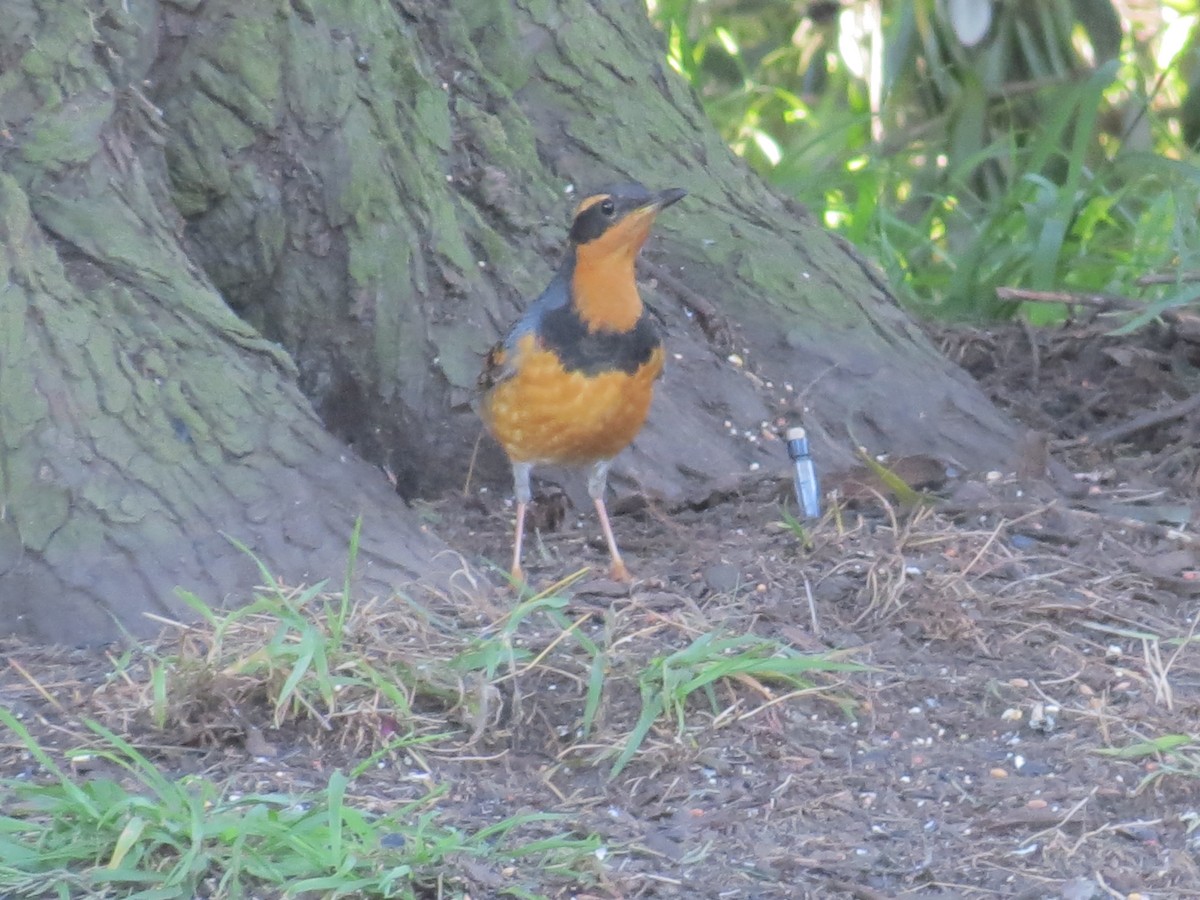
x=593, y=352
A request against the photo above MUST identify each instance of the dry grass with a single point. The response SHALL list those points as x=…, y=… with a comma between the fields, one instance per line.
x=676, y=724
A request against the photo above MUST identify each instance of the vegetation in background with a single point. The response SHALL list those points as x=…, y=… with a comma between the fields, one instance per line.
x=966, y=144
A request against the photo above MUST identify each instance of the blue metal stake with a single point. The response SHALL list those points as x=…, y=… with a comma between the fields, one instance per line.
x=808, y=491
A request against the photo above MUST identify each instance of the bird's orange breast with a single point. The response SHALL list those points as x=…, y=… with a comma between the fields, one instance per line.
x=545, y=413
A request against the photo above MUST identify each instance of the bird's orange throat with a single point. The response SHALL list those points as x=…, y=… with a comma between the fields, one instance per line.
x=604, y=283
x=606, y=294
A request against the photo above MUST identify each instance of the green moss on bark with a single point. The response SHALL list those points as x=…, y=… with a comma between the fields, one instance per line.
x=139, y=417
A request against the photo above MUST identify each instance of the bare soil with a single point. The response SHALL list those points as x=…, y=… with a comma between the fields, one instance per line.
x=1014, y=630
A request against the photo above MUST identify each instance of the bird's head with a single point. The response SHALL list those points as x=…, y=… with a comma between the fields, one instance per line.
x=616, y=221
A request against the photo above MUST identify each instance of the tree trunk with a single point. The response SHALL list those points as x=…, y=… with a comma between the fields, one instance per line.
x=142, y=422
x=379, y=189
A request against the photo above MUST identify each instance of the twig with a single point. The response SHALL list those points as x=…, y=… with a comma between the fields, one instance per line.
x=1063, y=821
x=1154, y=529
x=712, y=323
x=812, y=608
x=470, y=466
x=991, y=538
x=537, y=660
x=1112, y=828
x=1146, y=420
x=1156, y=671
x=782, y=698
x=855, y=890
x=1166, y=669
x=1004, y=523
x=37, y=686
x=1167, y=278
x=1021, y=511
x=1099, y=878
x=1071, y=298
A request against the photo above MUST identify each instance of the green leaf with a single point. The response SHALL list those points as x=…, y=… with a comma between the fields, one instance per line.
x=905, y=495
x=1143, y=749
x=130, y=835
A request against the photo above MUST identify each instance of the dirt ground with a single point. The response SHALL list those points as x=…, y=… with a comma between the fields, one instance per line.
x=1015, y=632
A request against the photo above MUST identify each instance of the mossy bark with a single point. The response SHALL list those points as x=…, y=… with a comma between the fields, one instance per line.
x=377, y=189
x=142, y=423
x=381, y=189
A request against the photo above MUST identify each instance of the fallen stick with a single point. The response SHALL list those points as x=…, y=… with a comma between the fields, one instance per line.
x=1145, y=420
x=1071, y=298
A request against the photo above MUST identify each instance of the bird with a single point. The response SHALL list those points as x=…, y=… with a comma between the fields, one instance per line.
x=572, y=381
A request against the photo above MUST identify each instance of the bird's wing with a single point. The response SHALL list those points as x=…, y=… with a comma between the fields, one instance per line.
x=501, y=362
x=497, y=366
x=556, y=295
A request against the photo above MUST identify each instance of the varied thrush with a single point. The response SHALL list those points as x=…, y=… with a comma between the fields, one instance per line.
x=571, y=383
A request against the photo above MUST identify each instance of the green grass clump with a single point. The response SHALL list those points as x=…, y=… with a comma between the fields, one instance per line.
x=365, y=681
x=494, y=656
x=146, y=835
x=667, y=684
x=305, y=652
x=298, y=656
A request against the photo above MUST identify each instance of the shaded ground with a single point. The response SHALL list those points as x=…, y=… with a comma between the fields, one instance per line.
x=1012, y=632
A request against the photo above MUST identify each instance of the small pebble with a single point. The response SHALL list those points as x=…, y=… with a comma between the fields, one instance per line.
x=998, y=773
x=722, y=577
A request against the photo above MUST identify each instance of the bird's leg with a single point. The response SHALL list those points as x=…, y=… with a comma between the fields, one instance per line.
x=524, y=494
x=597, y=485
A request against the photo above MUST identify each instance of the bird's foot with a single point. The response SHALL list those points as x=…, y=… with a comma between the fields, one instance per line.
x=618, y=572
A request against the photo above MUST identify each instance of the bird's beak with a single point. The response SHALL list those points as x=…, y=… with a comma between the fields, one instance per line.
x=657, y=202
x=635, y=227
x=665, y=198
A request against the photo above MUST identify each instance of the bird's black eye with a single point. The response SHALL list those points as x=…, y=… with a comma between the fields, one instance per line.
x=607, y=207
